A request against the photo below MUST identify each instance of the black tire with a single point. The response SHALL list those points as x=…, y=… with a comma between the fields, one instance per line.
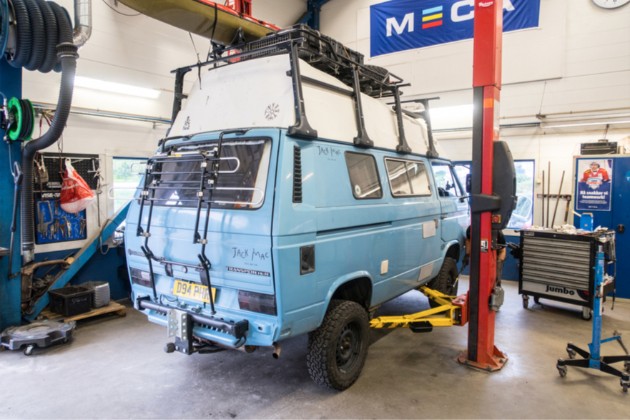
x=446, y=280
x=338, y=348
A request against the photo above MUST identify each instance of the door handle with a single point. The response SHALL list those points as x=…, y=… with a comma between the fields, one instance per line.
x=621, y=228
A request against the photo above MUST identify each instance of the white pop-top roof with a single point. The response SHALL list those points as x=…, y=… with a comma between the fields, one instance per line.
x=258, y=93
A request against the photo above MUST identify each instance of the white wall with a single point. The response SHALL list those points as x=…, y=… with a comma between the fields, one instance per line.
x=577, y=62
x=133, y=50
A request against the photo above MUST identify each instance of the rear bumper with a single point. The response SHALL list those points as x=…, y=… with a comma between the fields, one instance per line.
x=227, y=333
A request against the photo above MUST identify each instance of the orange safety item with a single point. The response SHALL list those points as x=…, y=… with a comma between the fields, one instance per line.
x=76, y=194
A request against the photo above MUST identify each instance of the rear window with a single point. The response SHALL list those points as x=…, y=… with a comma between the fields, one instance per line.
x=177, y=178
x=363, y=176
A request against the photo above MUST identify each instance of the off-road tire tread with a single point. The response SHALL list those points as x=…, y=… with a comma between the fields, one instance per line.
x=442, y=283
x=323, y=340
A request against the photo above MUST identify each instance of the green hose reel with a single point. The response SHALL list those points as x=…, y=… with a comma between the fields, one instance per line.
x=21, y=119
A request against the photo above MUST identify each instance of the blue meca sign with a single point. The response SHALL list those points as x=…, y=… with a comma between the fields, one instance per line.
x=399, y=25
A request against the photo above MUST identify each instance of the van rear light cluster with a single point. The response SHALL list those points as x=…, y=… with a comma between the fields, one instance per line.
x=257, y=302
x=139, y=277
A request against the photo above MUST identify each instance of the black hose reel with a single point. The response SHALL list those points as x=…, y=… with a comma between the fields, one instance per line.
x=30, y=31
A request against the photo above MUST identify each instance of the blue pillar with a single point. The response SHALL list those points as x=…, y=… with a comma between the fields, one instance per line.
x=10, y=289
x=311, y=17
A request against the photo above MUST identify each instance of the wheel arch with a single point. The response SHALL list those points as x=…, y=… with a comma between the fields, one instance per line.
x=356, y=287
x=453, y=250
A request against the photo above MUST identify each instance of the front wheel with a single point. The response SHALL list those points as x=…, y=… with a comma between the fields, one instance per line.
x=338, y=348
x=446, y=280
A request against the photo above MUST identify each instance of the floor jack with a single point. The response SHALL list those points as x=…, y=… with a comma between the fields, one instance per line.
x=593, y=359
x=452, y=310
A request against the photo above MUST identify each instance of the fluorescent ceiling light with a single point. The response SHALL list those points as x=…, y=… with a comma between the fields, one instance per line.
x=112, y=87
x=567, y=124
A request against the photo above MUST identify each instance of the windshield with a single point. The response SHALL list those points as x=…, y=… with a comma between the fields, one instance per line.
x=176, y=177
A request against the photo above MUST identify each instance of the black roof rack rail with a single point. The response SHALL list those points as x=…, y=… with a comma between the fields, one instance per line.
x=318, y=50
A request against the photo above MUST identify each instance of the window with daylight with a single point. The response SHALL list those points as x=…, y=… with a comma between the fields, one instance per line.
x=407, y=178
x=127, y=175
x=363, y=176
x=523, y=214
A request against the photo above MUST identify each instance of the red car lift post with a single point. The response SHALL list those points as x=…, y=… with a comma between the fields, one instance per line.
x=482, y=353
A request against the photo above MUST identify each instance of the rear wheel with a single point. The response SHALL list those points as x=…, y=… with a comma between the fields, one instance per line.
x=338, y=348
x=446, y=280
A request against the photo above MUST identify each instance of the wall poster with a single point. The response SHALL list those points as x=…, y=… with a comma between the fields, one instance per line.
x=594, y=184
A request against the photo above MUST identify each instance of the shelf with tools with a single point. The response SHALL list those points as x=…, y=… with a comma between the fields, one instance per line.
x=52, y=223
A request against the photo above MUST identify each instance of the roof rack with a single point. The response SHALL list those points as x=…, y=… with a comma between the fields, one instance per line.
x=325, y=54
x=318, y=50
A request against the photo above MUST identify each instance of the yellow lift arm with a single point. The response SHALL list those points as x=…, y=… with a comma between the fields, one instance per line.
x=452, y=310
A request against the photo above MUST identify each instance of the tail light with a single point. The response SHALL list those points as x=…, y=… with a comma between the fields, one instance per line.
x=257, y=302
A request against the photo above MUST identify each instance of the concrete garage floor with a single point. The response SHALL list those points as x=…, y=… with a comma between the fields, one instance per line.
x=115, y=368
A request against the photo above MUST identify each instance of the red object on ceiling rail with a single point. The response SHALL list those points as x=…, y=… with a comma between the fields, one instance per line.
x=209, y=19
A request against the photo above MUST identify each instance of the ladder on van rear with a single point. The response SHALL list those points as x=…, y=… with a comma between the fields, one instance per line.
x=204, y=184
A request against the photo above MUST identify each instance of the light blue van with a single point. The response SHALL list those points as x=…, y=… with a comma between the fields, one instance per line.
x=279, y=223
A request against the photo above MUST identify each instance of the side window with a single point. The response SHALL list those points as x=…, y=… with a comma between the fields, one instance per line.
x=445, y=181
x=407, y=178
x=462, y=170
x=363, y=176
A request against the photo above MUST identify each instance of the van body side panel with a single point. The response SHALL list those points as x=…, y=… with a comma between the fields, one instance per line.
x=384, y=237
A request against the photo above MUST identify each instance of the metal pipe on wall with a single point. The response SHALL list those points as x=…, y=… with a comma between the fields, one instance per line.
x=82, y=22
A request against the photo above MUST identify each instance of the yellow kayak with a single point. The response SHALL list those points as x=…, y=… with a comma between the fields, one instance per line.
x=205, y=18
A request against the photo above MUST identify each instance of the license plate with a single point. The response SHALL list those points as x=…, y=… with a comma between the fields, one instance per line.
x=192, y=291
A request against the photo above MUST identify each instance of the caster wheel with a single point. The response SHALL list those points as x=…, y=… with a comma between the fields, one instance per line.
x=571, y=353
x=29, y=350
x=624, y=385
x=587, y=314
x=169, y=347
x=525, y=301
x=562, y=370
x=536, y=300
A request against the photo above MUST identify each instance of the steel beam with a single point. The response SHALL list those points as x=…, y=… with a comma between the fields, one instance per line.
x=80, y=259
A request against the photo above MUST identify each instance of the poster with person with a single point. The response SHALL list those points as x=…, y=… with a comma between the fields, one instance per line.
x=594, y=186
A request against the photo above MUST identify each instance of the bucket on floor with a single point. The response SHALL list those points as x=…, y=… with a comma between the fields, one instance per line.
x=100, y=291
